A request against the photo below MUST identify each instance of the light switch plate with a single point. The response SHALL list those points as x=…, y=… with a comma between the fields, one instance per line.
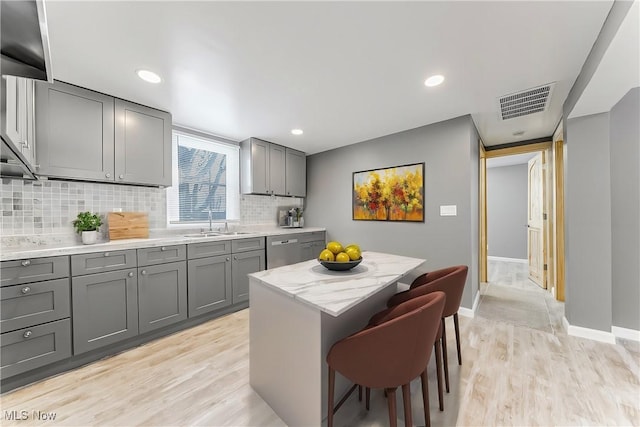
x=448, y=210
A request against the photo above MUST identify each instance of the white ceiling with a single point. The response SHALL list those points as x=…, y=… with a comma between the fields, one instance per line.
x=344, y=72
x=618, y=71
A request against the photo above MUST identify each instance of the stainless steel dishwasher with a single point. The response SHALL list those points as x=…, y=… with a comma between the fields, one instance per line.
x=283, y=250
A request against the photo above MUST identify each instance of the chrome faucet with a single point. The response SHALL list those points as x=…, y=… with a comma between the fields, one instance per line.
x=210, y=219
x=226, y=227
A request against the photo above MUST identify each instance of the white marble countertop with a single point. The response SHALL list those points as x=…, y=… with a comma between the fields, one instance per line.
x=38, y=251
x=335, y=292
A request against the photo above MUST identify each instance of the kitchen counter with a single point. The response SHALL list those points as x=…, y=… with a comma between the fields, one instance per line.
x=297, y=313
x=37, y=251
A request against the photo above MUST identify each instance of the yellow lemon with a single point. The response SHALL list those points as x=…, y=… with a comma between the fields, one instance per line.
x=334, y=247
x=353, y=252
x=353, y=245
x=326, y=255
x=342, y=257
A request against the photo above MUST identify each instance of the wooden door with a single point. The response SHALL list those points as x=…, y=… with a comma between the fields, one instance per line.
x=535, y=220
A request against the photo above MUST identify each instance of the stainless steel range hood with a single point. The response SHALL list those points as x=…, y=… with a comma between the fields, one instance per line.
x=24, y=40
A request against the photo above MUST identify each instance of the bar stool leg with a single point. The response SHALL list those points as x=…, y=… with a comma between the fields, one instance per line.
x=438, y=352
x=406, y=400
x=444, y=355
x=457, y=326
x=332, y=379
x=425, y=398
x=391, y=400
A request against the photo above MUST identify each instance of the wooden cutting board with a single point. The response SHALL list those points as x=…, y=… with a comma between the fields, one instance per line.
x=128, y=225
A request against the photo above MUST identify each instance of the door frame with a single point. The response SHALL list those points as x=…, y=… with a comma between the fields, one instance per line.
x=555, y=209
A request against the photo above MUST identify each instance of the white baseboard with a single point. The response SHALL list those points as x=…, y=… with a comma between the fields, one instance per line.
x=592, y=334
x=470, y=312
x=501, y=258
x=627, y=334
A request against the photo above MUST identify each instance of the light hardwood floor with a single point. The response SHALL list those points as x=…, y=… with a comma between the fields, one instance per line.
x=513, y=373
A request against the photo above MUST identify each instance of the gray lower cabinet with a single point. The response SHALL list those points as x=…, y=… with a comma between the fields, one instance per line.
x=243, y=264
x=162, y=295
x=209, y=284
x=25, y=305
x=34, y=270
x=33, y=347
x=105, y=308
x=311, y=250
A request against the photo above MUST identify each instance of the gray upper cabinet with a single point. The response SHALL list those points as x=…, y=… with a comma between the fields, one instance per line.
x=17, y=114
x=263, y=169
x=142, y=144
x=105, y=308
x=74, y=132
x=277, y=175
x=296, y=173
x=82, y=134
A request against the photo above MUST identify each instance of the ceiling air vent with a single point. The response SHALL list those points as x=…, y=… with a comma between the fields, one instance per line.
x=530, y=101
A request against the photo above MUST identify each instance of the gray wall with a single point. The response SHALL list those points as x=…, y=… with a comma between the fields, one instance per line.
x=450, y=152
x=625, y=210
x=588, y=222
x=507, y=211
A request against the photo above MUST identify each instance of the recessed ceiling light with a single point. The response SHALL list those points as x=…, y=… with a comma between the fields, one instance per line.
x=518, y=133
x=297, y=131
x=148, y=76
x=434, y=80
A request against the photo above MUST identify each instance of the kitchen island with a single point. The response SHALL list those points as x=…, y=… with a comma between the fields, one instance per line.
x=297, y=313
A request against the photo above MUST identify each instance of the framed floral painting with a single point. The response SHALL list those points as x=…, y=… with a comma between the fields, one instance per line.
x=389, y=194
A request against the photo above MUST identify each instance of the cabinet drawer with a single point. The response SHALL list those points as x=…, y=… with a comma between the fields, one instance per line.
x=34, y=270
x=31, y=348
x=243, y=245
x=206, y=249
x=102, y=261
x=161, y=255
x=312, y=236
x=27, y=305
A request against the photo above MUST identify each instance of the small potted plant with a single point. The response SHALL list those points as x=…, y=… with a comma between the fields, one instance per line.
x=87, y=225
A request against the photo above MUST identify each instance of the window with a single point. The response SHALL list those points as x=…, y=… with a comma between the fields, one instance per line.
x=205, y=180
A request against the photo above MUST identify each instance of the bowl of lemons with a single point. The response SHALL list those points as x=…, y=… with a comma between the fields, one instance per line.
x=338, y=258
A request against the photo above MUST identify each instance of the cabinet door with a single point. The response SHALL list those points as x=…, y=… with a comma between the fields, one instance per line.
x=245, y=263
x=162, y=295
x=105, y=309
x=306, y=251
x=74, y=130
x=277, y=169
x=14, y=108
x=317, y=247
x=260, y=166
x=209, y=284
x=296, y=173
x=142, y=144
x=30, y=348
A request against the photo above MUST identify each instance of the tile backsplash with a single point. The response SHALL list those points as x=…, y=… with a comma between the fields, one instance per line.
x=48, y=207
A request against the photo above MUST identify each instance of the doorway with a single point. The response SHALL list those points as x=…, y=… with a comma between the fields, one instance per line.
x=544, y=222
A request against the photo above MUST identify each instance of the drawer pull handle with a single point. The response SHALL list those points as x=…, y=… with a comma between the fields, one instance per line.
x=130, y=274
x=227, y=258
x=143, y=272
x=108, y=175
x=27, y=334
x=235, y=257
x=163, y=248
x=107, y=254
x=26, y=263
x=26, y=290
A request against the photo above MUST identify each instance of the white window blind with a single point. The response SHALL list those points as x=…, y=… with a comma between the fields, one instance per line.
x=206, y=179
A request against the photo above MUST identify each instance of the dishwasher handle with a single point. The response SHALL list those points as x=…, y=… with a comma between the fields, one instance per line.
x=284, y=242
